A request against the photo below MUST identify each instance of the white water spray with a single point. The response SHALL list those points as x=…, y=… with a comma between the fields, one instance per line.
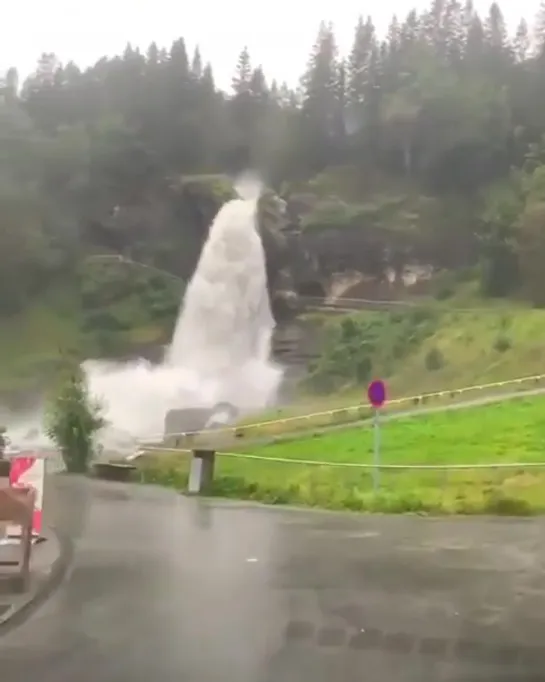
x=220, y=350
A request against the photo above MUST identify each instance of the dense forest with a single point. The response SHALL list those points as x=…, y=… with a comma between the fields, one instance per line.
x=428, y=144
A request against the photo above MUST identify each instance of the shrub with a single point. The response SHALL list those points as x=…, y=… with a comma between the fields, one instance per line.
x=434, y=360
x=358, y=345
x=502, y=343
x=444, y=292
x=73, y=418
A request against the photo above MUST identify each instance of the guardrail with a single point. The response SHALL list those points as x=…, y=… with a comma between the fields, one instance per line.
x=354, y=303
x=247, y=434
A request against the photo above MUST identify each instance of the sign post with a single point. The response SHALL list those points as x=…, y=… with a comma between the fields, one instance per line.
x=376, y=394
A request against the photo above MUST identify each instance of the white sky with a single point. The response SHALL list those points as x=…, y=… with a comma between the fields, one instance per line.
x=279, y=36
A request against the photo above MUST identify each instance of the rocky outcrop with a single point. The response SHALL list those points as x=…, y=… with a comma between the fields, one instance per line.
x=169, y=228
x=291, y=268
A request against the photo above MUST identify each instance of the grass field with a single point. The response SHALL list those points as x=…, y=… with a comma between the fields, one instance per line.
x=505, y=433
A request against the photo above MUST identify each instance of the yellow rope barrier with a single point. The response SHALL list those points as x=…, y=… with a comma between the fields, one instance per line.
x=328, y=417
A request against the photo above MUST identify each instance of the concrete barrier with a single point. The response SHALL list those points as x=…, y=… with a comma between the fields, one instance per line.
x=201, y=471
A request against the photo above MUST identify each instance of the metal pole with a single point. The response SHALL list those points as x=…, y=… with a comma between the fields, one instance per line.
x=376, y=451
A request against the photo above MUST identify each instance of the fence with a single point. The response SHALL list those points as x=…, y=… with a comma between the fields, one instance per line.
x=290, y=427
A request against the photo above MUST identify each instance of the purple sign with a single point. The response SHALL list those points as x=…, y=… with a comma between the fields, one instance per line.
x=376, y=393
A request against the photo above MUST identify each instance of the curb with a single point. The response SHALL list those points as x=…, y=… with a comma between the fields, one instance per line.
x=17, y=615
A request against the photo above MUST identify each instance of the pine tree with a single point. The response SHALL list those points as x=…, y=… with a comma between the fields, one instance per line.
x=152, y=56
x=178, y=58
x=320, y=105
x=341, y=98
x=495, y=30
x=539, y=31
x=11, y=85
x=320, y=80
x=475, y=42
x=196, y=64
x=359, y=61
x=257, y=86
x=208, y=79
x=409, y=32
x=454, y=32
x=432, y=23
x=393, y=37
x=521, y=41
x=287, y=97
x=243, y=73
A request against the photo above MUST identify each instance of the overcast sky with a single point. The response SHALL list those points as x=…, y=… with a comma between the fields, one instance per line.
x=279, y=35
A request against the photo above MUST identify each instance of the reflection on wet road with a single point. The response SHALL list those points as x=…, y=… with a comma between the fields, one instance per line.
x=169, y=589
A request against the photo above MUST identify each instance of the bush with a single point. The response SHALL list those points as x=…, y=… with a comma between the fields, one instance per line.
x=502, y=343
x=73, y=418
x=357, y=346
x=444, y=292
x=434, y=360
x=445, y=285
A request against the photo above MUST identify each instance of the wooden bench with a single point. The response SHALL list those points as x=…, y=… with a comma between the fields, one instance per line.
x=16, y=507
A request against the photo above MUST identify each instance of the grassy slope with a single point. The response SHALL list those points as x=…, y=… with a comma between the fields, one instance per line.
x=30, y=343
x=504, y=433
x=468, y=343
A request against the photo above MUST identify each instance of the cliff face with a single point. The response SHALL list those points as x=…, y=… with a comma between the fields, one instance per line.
x=379, y=237
x=309, y=240
x=171, y=226
x=291, y=268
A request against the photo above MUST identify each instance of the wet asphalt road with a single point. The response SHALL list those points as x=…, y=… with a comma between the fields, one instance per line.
x=169, y=589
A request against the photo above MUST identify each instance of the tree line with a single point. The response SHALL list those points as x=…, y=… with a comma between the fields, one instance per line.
x=448, y=105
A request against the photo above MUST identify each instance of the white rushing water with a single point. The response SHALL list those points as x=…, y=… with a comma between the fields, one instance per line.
x=220, y=351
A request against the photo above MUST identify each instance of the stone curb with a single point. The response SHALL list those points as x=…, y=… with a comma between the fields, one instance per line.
x=16, y=615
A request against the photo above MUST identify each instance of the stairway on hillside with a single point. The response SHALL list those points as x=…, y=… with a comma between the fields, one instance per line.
x=295, y=343
x=294, y=346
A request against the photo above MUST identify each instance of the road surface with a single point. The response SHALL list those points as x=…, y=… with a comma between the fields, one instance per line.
x=168, y=589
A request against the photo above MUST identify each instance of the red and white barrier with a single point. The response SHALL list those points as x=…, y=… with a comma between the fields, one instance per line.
x=28, y=471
